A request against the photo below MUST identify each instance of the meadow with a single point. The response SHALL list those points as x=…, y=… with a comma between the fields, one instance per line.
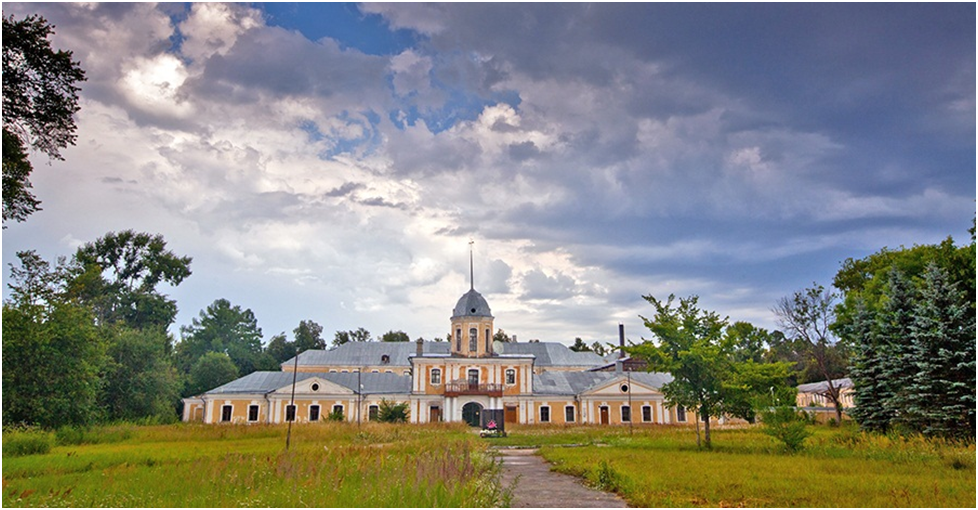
x=379, y=465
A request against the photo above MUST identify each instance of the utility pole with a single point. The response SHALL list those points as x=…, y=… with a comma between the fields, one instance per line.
x=295, y=371
x=359, y=392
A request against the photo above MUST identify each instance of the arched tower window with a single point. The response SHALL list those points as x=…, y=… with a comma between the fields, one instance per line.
x=488, y=340
x=473, y=340
x=458, y=339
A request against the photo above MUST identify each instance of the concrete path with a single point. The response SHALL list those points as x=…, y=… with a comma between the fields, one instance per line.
x=538, y=487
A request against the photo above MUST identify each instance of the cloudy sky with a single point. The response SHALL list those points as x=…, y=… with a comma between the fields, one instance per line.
x=332, y=162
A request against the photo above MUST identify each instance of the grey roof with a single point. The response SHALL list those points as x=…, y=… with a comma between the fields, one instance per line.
x=472, y=304
x=264, y=382
x=548, y=354
x=573, y=383
x=554, y=354
x=367, y=354
x=823, y=386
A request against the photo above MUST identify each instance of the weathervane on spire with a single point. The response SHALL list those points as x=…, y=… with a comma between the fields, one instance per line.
x=471, y=271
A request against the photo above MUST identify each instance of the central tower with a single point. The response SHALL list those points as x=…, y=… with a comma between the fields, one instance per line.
x=471, y=321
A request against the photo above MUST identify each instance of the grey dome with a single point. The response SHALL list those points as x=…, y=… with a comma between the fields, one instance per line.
x=472, y=304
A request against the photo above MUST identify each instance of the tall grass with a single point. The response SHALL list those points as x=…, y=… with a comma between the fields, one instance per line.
x=661, y=467
x=329, y=465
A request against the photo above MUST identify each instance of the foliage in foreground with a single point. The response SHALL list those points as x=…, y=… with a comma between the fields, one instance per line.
x=329, y=465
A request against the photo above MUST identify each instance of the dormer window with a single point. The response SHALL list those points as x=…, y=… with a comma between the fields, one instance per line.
x=385, y=359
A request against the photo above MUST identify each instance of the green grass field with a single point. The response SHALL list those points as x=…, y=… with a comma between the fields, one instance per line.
x=337, y=465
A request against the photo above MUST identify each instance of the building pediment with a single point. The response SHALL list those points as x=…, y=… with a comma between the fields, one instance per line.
x=620, y=385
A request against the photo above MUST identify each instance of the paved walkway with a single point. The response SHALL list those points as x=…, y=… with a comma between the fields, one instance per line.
x=538, y=487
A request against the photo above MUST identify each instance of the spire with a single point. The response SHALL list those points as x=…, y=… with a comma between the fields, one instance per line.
x=471, y=271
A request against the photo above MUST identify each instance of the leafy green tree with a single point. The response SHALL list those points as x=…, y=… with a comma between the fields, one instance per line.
x=118, y=275
x=140, y=380
x=211, y=370
x=226, y=329
x=500, y=336
x=691, y=347
x=308, y=335
x=390, y=411
x=807, y=316
x=52, y=353
x=357, y=335
x=395, y=336
x=39, y=100
x=598, y=349
x=280, y=348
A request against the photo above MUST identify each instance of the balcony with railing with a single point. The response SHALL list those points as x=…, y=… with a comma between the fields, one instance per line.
x=462, y=387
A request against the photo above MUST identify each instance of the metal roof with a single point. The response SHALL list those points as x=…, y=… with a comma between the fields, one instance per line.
x=472, y=304
x=573, y=383
x=823, y=386
x=367, y=354
x=554, y=354
x=264, y=382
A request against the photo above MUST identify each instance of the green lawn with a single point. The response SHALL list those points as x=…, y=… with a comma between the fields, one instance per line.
x=338, y=465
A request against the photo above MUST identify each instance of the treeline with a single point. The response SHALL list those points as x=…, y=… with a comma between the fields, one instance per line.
x=85, y=339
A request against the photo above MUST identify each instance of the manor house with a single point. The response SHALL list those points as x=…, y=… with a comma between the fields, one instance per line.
x=470, y=379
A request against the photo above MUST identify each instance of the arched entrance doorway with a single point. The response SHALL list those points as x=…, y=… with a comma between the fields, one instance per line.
x=472, y=414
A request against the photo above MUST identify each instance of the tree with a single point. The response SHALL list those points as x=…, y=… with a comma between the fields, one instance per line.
x=211, y=370
x=226, y=329
x=941, y=397
x=358, y=335
x=500, y=336
x=280, y=348
x=390, y=411
x=807, y=317
x=39, y=100
x=395, y=336
x=580, y=346
x=140, y=380
x=308, y=335
x=598, y=349
x=118, y=275
x=691, y=348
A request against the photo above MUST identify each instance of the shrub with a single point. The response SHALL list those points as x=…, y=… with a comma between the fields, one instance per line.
x=605, y=477
x=786, y=425
x=335, y=415
x=16, y=444
x=392, y=412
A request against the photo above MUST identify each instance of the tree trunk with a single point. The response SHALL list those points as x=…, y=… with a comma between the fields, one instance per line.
x=706, y=430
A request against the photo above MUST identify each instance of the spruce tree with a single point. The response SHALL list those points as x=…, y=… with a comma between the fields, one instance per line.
x=896, y=351
x=941, y=398
x=865, y=370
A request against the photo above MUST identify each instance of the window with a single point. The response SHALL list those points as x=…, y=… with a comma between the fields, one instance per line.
x=435, y=376
x=458, y=339
x=473, y=340
x=569, y=414
x=510, y=376
x=253, y=412
x=681, y=414
x=226, y=412
x=385, y=359
x=338, y=411
x=372, y=413
x=314, y=413
x=473, y=376
x=626, y=413
x=545, y=414
x=290, y=412
x=315, y=386
x=488, y=340
x=646, y=413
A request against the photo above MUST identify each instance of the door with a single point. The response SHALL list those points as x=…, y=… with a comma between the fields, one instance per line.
x=472, y=414
x=434, y=414
x=604, y=415
x=510, y=416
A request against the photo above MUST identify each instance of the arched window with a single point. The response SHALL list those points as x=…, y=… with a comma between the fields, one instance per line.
x=488, y=341
x=510, y=376
x=473, y=340
x=435, y=376
x=458, y=339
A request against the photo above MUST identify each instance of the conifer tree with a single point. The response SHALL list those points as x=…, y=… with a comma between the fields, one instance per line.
x=941, y=398
x=866, y=370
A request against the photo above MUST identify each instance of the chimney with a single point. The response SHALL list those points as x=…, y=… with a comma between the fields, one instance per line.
x=420, y=350
x=513, y=339
x=621, y=340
